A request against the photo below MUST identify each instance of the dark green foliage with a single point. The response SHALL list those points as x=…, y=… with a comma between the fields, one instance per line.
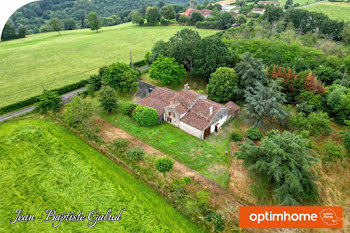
x=152, y=15
x=166, y=70
x=216, y=220
x=273, y=13
x=207, y=24
x=305, y=108
x=128, y=108
x=225, y=20
x=168, y=12
x=94, y=21
x=250, y=71
x=136, y=153
x=9, y=32
x=222, y=85
x=317, y=123
x=49, y=101
x=236, y=136
x=95, y=82
x=164, y=165
x=159, y=48
x=120, y=144
x=32, y=100
x=210, y=54
x=183, y=20
x=346, y=140
x=22, y=31
x=108, y=99
x=196, y=17
x=338, y=100
x=164, y=21
x=145, y=116
x=286, y=162
x=137, y=18
x=265, y=104
x=56, y=25
x=182, y=47
x=279, y=52
x=333, y=151
x=70, y=24
x=121, y=77
x=254, y=133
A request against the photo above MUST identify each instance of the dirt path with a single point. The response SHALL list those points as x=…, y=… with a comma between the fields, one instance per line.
x=220, y=198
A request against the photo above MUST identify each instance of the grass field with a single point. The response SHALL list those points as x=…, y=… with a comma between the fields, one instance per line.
x=205, y=156
x=301, y=2
x=335, y=10
x=51, y=61
x=43, y=166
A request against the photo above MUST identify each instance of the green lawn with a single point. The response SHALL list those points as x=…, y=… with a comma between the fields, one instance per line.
x=338, y=11
x=301, y=2
x=51, y=61
x=205, y=156
x=44, y=166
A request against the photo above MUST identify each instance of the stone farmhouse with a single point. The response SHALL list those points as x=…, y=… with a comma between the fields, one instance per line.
x=189, y=110
x=205, y=12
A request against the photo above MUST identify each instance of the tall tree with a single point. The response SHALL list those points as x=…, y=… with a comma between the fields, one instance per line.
x=94, y=21
x=137, y=18
x=167, y=71
x=182, y=47
x=22, y=31
x=56, y=25
x=9, y=32
x=196, y=17
x=225, y=20
x=249, y=71
x=168, y=12
x=153, y=15
x=210, y=54
x=69, y=24
x=121, y=77
x=265, y=104
x=286, y=162
x=108, y=99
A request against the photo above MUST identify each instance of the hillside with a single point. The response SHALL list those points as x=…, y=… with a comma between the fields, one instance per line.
x=334, y=10
x=36, y=14
x=52, y=61
x=44, y=166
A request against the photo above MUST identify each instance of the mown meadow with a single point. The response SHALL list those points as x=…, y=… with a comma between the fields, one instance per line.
x=51, y=61
x=334, y=10
x=44, y=166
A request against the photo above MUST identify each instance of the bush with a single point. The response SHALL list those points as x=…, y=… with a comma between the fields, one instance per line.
x=236, y=136
x=136, y=153
x=120, y=144
x=316, y=123
x=203, y=197
x=145, y=116
x=128, y=108
x=108, y=99
x=49, y=101
x=207, y=24
x=333, y=151
x=164, y=165
x=164, y=21
x=95, y=82
x=216, y=220
x=121, y=77
x=346, y=140
x=254, y=133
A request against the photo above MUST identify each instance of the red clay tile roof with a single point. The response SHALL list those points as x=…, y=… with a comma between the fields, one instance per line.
x=258, y=9
x=204, y=12
x=269, y=2
x=186, y=97
x=232, y=107
x=153, y=103
x=195, y=121
x=202, y=108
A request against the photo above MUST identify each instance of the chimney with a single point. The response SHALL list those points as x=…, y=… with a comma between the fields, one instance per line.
x=211, y=110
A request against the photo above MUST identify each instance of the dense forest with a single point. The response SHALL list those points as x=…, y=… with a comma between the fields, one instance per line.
x=35, y=15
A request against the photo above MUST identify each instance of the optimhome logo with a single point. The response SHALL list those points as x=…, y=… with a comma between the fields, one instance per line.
x=291, y=217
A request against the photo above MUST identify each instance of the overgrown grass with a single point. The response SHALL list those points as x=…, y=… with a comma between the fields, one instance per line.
x=43, y=166
x=334, y=10
x=51, y=61
x=205, y=156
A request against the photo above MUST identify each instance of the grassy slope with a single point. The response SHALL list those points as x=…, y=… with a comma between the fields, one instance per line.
x=339, y=11
x=205, y=156
x=43, y=166
x=54, y=61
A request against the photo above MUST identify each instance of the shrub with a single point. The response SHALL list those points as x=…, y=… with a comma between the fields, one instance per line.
x=121, y=77
x=236, y=136
x=222, y=84
x=254, y=133
x=316, y=123
x=120, y=144
x=216, y=220
x=207, y=24
x=203, y=197
x=346, y=140
x=128, y=108
x=164, y=21
x=95, y=82
x=145, y=116
x=333, y=151
x=108, y=99
x=136, y=153
x=49, y=101
x=164, y=165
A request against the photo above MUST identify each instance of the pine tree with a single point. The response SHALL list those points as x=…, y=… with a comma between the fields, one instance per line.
x=265, y=104
x=249, y=71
